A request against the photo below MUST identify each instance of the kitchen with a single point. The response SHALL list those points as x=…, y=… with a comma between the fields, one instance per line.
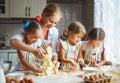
x=82, y=11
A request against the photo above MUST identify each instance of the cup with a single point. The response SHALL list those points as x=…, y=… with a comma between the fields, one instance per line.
x=7, y=66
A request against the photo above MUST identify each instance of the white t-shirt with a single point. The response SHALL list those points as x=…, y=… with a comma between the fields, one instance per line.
x=53, y=36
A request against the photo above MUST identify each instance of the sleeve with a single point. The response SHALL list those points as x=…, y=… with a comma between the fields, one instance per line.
x=64, y=44
x=18, y=36
x=83, y=45
x=54, y=40
x=38, y=43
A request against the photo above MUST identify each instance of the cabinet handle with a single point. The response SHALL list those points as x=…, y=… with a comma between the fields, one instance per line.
x=29, y=11
x=25, y=11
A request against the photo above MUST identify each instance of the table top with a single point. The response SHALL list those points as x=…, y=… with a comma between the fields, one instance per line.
x=74, y=77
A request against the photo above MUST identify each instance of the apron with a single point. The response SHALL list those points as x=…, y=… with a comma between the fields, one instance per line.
x=29, y=57
x=89, y=58
x=71, y=55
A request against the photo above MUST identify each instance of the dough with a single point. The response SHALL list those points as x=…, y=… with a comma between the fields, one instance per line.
x=48, y=65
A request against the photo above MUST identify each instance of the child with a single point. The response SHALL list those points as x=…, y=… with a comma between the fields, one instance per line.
x=93, y=48
x=70, y=47
x=31, y=40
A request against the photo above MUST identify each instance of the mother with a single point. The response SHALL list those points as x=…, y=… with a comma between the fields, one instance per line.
x=49, y=18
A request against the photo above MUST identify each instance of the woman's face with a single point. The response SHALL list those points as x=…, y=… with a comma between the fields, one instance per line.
x=95, y=44
x=49, y=22
x=75, y=37
x=33, y=37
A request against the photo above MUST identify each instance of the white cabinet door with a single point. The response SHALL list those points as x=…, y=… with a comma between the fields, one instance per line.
x=36, y=7
x=4, y=56
x=18, y=8
x=10, y=56
x=13, y=57
x=26, y=8
x=4, y=8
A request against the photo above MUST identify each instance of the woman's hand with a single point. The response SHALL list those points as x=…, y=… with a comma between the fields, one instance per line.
x=39, y=53
x=39, y=70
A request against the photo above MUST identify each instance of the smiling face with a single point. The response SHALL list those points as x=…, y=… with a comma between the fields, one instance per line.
x=49, y=22
x=32, y=37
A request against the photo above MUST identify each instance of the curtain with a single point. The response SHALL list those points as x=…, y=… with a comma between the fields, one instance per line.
x=107, y=16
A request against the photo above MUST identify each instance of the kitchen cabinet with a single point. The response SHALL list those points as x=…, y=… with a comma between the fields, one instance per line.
x=26, y=8
x=4, y=8
x=9, y=54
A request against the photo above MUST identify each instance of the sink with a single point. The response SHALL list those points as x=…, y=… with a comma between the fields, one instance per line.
x=6, y=48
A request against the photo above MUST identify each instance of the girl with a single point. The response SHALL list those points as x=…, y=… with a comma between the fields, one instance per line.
x=30, y=38
x=93, y=49
x=70, y=47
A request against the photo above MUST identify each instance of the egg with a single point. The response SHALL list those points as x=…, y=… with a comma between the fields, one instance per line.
x=22, y=81
x=96, y=77
x=26, y=79
x=30, y=81
x=92, y=78
x=86, y=77
x=101, y=76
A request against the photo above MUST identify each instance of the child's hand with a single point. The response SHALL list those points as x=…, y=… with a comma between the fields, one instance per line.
x=81, y=61
x=97, y=65
x=73, y=63
x=39, y=70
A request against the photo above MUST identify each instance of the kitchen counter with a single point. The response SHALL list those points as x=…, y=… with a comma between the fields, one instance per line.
x=72, y=77
x=61, y=77
x=7, y=49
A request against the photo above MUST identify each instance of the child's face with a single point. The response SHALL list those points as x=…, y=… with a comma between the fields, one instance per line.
x=95, y=44
x=49, y=22
x=75, y=37
x=33, y=37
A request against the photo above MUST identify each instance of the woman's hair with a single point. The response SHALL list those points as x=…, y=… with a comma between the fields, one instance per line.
x=52, y=9
x=32, y=26
x=74, y=27
x=96, y=34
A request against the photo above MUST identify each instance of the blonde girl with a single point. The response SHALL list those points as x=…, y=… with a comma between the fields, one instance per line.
x=69, y=48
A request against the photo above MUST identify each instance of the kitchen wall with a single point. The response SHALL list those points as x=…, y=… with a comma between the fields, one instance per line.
x=11, y=29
